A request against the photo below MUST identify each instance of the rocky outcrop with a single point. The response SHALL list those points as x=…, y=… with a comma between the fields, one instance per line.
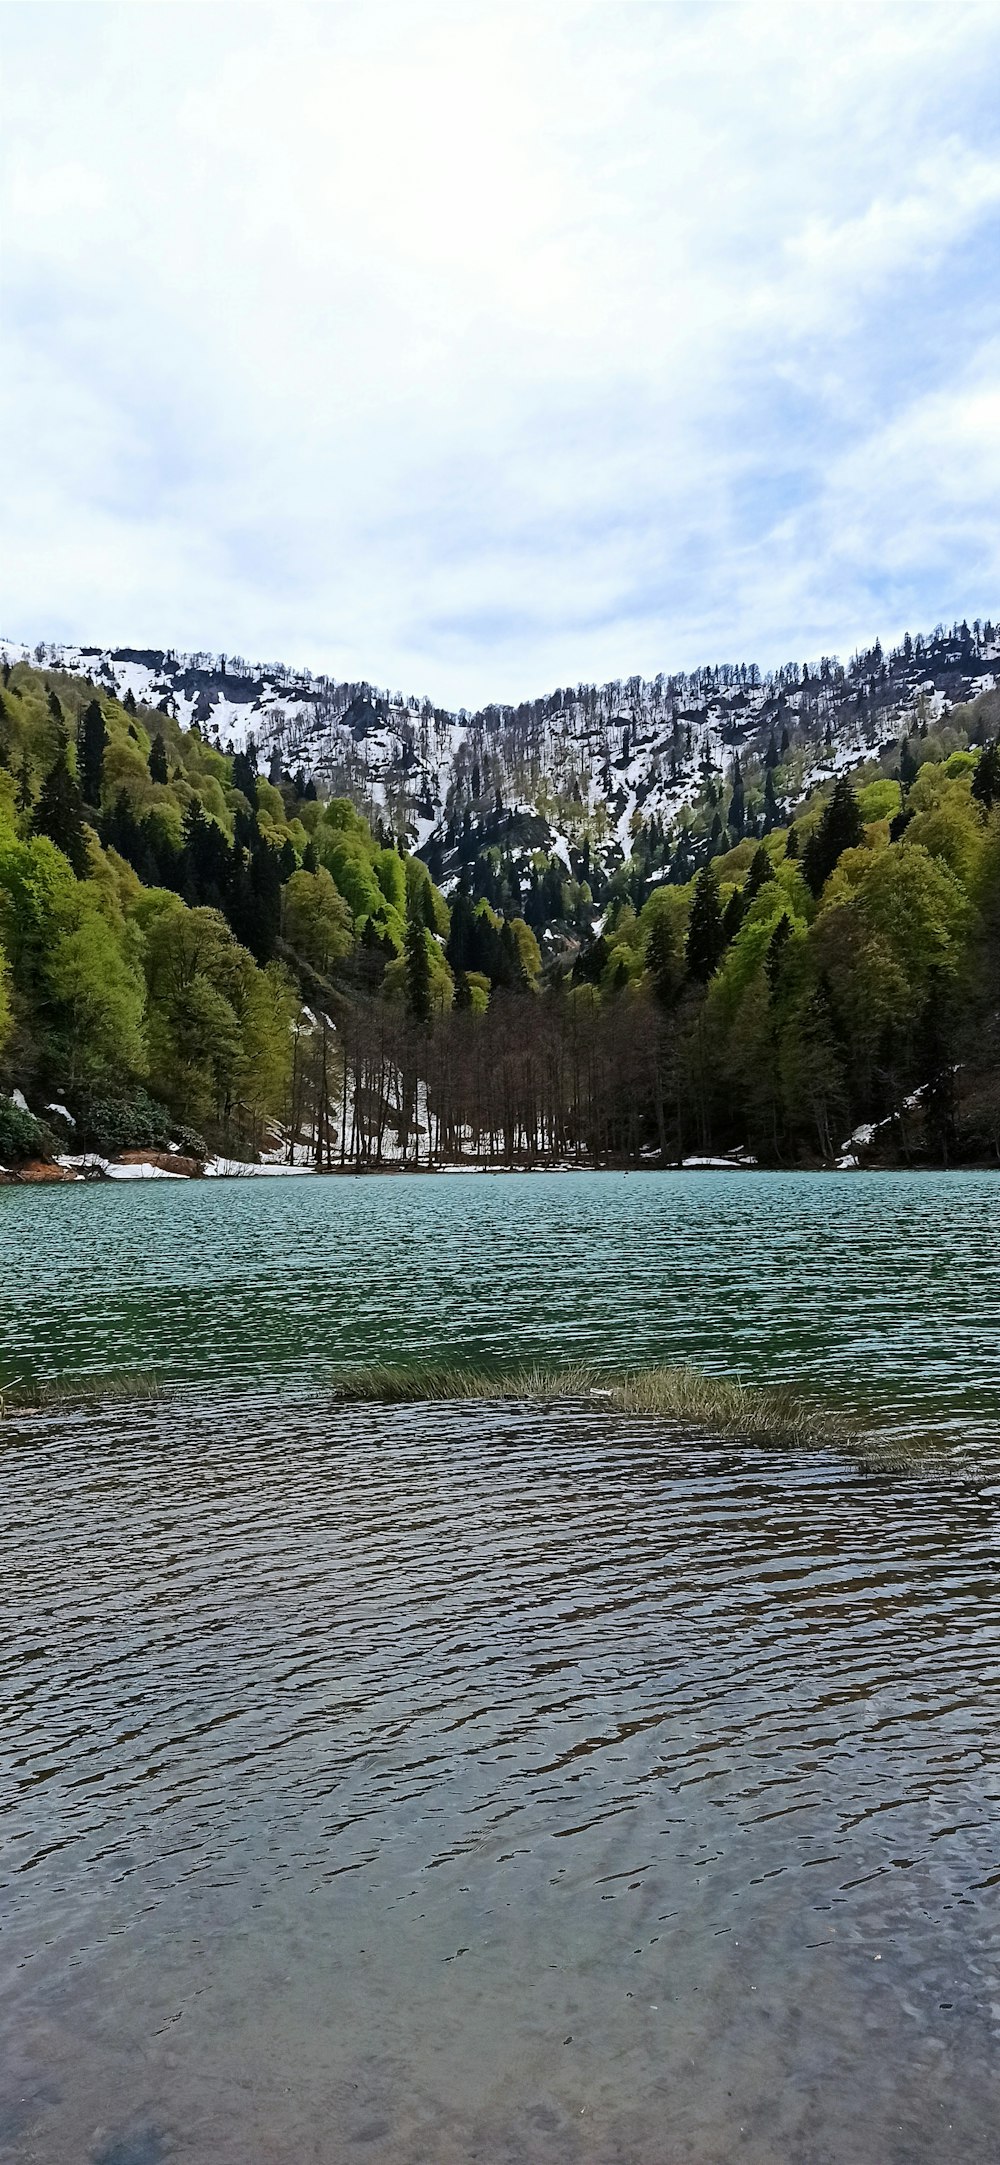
x=38, y=1171
x=164, y=1161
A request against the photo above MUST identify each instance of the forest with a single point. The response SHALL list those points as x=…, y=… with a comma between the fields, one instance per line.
x=194, y=952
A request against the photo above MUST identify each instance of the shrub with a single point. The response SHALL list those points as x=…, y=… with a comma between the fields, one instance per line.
x=21, y=1135
x=192, y=1145
x=132, y=1121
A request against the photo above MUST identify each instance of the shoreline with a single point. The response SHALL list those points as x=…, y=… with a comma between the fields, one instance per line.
x=112, y=1173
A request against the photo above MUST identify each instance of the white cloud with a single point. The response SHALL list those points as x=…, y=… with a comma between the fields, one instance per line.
x=476, y=349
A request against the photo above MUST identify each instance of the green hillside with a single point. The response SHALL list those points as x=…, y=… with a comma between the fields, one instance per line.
x=177, y=931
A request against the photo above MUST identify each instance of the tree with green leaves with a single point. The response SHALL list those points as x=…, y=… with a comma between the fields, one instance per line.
x=97, y=998
x=986, y=780
x=91, y=744
x=158, y=759
x=841, y=827
x=316, y=919
x=706, y=937
x=761, y=870
x=418, y=965
x=59, y=812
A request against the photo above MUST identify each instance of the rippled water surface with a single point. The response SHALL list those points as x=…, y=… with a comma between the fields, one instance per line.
x=444, y=1784
x=882, y=1289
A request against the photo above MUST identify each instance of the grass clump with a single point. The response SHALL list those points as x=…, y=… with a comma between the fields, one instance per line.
x=682, y=1396
x=73, y=1391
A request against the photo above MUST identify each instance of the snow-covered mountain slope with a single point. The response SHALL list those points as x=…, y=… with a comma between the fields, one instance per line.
x=601, y=758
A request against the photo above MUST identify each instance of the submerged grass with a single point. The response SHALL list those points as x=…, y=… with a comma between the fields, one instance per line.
x=68, y=1392
x=683, y=1396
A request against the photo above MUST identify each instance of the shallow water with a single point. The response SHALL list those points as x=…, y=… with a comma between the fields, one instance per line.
x=499, y=1784
x=449, y=1784
x=880, y=1290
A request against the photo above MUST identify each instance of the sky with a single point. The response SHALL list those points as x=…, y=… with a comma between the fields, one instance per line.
x=474, y=350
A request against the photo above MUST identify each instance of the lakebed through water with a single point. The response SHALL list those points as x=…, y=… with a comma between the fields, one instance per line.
x=504, y=1782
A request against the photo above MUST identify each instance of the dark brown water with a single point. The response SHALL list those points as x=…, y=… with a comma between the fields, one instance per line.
x=464, y=1784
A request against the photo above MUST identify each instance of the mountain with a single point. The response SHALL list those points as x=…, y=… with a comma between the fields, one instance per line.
x=643, y=919
x=590, y=775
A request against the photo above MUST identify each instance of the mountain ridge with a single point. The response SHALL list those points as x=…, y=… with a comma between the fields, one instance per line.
x=579, y=772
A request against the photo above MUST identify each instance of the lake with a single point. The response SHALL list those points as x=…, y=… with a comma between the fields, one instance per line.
x=499, y=1783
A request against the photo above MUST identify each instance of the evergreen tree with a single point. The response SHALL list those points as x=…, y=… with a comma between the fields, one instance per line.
x=23, y=799
x=245, y=773
x=310, y=861
x=158, y=759
x=288, y=863
x=775, y=951
x=460, y=950
x=706, y=938
x=771, y=812
x=418, y=967
x=841, y=827
x=59, y=812
x=908, y=769
x=792, y=842
x=91, y=741
x=737, y=802
x=761, y=870
x=663, y=960
x=517, y=976
x=986, y=780
x=733, y=914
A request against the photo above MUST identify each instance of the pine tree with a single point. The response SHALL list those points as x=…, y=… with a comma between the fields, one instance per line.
x=775, y=952
x=245, y=773
x=158, y=759
x=771, y=812
x=310, y=861
x=733, y=914
x=986, y=780
x=761, y=870
x=59, y=813
x=662, y=960
x=461, y=937
x=737, y=802
x=840, y=828
x=91, y=741
x=418, y=968
x=706, y=938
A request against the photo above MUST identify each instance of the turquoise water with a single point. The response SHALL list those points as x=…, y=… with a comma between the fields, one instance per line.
x=429, y=1785
x=881, y=1290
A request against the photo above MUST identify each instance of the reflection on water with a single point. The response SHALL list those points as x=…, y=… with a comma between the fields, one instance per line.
x=456, y=1784
x=878, y=1289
